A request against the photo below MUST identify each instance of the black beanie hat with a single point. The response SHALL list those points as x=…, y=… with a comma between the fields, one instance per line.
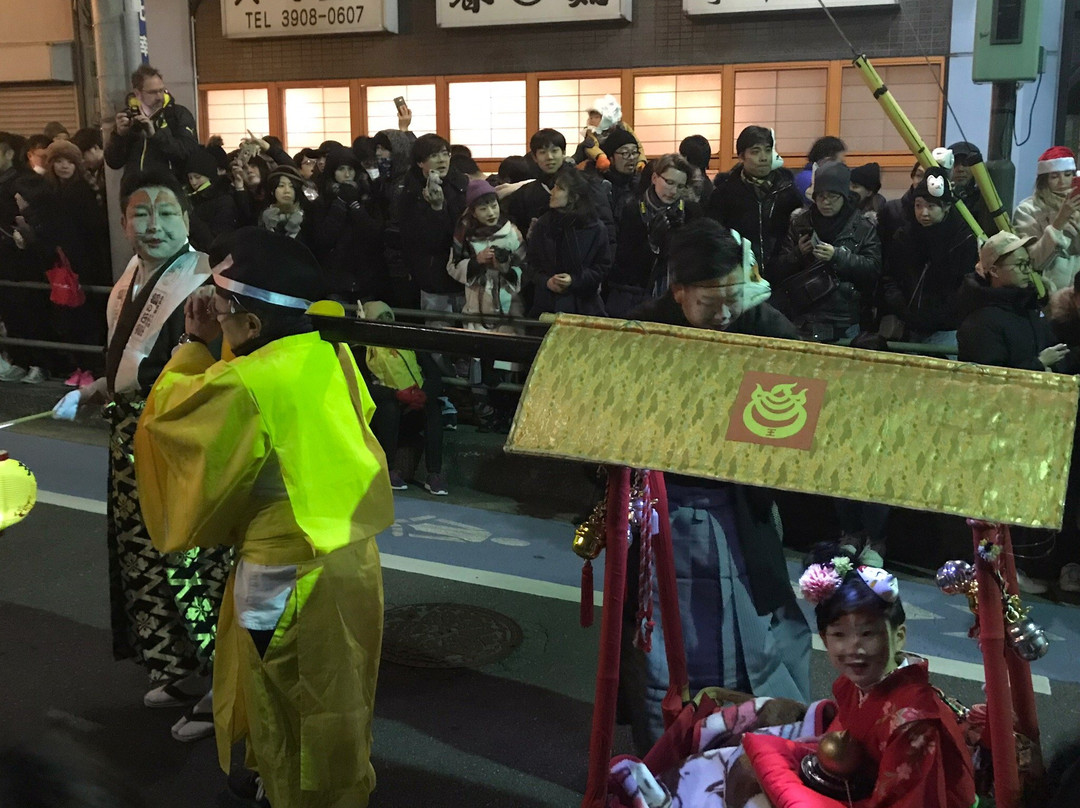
x=935, y=186
x=201, y=161
x=832, y=177
x=271, y=268
x=342, y=156
x=616, y=139
x=868, y=176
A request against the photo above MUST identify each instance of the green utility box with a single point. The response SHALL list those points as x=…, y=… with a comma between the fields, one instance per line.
x=1007, y=41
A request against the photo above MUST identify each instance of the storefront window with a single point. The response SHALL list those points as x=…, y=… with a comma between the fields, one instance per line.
x=489, y=117
x=563, y=103
x=792, y=102
x=863, y=124
x=315, y=114
x=231, y=113
x=382, y=114
x=669, y=108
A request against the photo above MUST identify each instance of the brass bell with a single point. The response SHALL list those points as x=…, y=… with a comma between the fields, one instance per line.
x=589, y=537
x=839, y=769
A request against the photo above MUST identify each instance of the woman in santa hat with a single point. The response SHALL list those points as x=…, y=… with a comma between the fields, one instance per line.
x=1052, y=215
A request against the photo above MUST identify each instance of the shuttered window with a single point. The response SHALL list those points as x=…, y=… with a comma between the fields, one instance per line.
x=26, y=108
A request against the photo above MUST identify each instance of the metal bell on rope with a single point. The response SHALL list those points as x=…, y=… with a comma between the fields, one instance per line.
x=589, y=537
x=1023, y=634
x=955, y=577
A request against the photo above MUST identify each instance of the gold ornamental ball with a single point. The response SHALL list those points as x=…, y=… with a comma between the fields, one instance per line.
x=840, y=755
x=18, y=491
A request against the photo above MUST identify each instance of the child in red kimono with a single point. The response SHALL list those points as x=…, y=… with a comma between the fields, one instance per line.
x=913, y=753
x=884, y=700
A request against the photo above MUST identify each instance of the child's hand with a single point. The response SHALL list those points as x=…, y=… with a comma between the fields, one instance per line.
x=486, y=257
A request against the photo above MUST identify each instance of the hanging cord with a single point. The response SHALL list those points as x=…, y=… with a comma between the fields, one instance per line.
x=1031, y=113
x=839, y=30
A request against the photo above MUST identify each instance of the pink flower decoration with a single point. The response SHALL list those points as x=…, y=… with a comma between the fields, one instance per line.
x=818, y=583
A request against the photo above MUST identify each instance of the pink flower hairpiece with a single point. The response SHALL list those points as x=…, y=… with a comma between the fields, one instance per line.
x=820, y=581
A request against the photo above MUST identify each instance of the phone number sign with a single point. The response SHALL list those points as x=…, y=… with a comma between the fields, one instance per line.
x=246, y=19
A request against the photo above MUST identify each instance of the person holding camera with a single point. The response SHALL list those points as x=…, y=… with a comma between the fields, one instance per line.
x=830, y=263
x=152, y=131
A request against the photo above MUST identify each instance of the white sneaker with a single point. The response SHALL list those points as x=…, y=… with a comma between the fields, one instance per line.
x=10, y=372
x=1030, y=586
x=34, y=376
x=1069, y=578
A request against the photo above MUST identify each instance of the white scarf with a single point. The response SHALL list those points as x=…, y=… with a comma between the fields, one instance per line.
x=187, y=272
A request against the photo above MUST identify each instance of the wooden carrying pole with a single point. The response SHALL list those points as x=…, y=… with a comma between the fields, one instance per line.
x=1008, y=677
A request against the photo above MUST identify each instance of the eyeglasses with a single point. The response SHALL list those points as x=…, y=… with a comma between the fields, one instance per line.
x=1022, y=265
x=675, y=184
x=235, y=306
x=628, y=153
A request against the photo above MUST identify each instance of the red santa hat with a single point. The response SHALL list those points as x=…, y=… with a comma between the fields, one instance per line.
x=1057, y=158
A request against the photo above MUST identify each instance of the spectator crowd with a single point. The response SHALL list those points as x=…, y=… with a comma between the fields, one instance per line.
x=400, y=220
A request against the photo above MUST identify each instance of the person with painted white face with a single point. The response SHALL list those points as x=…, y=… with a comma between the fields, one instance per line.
x=152, y=130
x=164, y=607
x=1052, y=216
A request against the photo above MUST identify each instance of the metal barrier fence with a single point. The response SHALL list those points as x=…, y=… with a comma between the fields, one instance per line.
x=436, y=340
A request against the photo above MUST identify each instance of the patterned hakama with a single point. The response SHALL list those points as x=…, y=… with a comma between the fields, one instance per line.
x=164, y=607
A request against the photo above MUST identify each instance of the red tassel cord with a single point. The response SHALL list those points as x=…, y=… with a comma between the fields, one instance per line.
x=586, y=594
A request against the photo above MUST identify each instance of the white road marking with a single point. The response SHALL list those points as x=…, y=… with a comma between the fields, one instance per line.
x=515, y=583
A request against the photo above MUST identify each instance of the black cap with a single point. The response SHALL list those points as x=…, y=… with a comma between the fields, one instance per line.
x=271, y=268
x=935, y=186
x=868, y=176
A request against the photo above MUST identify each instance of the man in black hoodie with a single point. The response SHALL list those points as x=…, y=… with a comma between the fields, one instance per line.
x=757, y=197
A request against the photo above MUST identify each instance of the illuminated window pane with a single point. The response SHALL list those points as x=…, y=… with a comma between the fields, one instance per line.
x=382, y=114
x=863, y=125
x=563, y=103
x=230, y=113
x=488, y=117
x=670, y=108
x=315, y=114
x=790, y=101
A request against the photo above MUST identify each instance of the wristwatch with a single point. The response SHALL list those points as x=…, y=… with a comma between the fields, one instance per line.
x=187, y=337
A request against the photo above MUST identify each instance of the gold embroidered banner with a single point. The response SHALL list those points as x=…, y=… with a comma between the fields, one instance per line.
x=921, y=433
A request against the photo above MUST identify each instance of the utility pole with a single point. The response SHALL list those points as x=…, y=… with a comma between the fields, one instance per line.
x=1002, y=128
x=116, y=45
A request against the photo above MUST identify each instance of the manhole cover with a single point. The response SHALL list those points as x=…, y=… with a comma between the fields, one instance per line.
x=447, y=635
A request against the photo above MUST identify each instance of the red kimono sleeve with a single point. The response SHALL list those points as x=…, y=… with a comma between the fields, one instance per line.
x=912, y=770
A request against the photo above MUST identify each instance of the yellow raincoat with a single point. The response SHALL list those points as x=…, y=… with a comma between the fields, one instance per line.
x=272, y=453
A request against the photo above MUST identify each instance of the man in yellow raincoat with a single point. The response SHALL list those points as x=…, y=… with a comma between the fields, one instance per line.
x=271, y=451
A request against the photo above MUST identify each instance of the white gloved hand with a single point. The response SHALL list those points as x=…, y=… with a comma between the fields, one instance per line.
x=67, y=407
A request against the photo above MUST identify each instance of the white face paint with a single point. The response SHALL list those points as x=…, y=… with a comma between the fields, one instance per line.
x=155, y=224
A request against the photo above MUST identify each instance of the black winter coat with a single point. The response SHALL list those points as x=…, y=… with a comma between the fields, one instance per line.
x=856, y=264
x=561, y=242
x=764, y=221
x=427, y=235
x=216, y=208
x=641, y=254
x=531, y=202
x=173, y=141
x=348, y=236
x=1004, y=327
x=924, y=273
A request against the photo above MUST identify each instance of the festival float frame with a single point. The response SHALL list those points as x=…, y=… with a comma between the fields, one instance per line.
x=807, y=417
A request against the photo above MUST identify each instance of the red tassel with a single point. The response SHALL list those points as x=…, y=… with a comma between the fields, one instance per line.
x=586, y=594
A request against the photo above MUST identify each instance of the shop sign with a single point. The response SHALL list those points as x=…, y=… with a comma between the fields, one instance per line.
x=470, y=13
x=244, y=19
x=701, y=7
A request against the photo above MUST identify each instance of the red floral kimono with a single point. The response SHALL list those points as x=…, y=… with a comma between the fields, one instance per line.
x=911, y=735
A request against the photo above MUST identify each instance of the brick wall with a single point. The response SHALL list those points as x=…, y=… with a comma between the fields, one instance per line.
x=659, y=35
